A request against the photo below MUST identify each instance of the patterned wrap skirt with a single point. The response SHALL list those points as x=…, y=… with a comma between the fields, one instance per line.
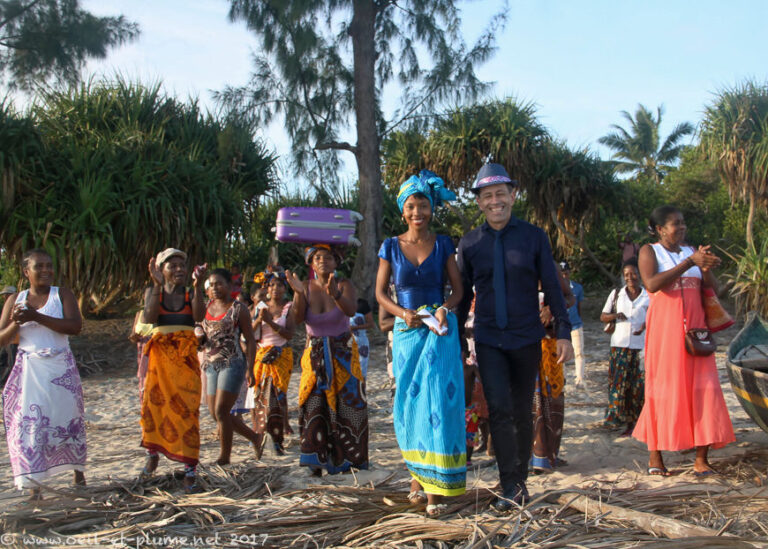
x=170, y=409
x=548, y=408
x=333, y=412
x=626, y=387
x=43, y=414
x=429, y=409
x=272, y=373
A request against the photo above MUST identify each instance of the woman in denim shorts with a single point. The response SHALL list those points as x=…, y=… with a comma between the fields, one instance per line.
x=224, y=364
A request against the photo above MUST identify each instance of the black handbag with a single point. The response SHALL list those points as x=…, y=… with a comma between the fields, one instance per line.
x=698, y=341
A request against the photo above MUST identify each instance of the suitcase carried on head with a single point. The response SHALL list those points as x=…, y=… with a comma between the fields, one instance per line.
x=317, y=225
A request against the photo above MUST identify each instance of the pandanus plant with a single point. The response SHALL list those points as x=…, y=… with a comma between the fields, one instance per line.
x=123, y=171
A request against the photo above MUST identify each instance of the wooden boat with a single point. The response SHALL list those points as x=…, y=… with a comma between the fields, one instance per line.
x=749, y=376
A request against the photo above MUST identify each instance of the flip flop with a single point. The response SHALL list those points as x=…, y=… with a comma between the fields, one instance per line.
x=707, y=473
x=659, y=472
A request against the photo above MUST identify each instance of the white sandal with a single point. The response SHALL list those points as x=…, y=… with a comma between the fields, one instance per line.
x=437, y=509
x=417, y=497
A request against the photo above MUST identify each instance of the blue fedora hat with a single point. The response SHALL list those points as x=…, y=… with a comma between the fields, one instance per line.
x=492, y=174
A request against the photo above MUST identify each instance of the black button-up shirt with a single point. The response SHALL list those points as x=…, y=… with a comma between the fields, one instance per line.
x=528, y=260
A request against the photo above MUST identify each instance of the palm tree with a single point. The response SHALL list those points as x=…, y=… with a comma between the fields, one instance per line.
x=734, y=134
x=638, y=151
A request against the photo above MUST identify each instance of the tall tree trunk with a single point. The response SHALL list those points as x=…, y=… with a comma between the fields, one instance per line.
x=751, y=220
x=367, y=153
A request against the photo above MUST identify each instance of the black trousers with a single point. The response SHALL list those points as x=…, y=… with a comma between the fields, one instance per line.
x=509, y=379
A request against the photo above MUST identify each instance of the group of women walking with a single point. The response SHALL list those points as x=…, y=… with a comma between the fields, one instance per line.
x=678, y=405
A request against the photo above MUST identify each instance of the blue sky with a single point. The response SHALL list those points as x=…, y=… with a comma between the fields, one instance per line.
x=581, y=62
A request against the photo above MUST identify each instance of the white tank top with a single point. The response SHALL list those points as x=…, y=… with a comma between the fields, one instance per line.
x=667, y=260
x=34, y=337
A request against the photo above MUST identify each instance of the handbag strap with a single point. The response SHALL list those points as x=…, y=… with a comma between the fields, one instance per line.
x=615, y=299
x=682, y=296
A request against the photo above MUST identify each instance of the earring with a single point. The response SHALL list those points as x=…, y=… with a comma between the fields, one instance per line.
x=267, y=296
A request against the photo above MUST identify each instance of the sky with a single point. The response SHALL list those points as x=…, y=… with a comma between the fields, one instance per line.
x=581, y=62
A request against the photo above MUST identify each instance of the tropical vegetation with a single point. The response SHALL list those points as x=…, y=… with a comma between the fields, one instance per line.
x=45, y=40
x=106, y=174
x=638, y=149
x=322, y=66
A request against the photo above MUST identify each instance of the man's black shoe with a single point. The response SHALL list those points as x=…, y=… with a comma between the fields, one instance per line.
x=517, y=497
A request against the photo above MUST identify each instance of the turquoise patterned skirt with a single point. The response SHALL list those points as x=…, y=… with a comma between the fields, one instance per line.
x=429, y=406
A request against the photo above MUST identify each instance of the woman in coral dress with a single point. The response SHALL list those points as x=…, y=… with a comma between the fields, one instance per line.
x=684, y=405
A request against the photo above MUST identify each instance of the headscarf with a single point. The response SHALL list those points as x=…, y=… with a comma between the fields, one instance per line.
x=309, y=251
x=263, y=278
x=428, y=184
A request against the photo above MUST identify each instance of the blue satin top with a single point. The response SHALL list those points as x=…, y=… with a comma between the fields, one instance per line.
x=422, y=285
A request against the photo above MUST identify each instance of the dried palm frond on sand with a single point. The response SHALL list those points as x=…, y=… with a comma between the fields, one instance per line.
x=245, y=506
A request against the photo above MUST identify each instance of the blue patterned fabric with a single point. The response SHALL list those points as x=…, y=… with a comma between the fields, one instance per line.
x=429, y=402
x=428, y=184
x=429, y=406
x=422, y=285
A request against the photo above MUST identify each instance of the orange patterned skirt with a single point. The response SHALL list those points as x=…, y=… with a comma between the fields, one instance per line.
x=170, y=409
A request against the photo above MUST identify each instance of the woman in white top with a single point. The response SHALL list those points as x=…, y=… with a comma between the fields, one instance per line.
x=627, y=310
x=684, y=405
x=43, y=398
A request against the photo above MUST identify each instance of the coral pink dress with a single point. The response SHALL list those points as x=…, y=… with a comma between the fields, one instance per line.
x=684, y=405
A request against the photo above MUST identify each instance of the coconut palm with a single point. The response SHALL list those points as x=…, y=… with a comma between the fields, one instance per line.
x=734, y=134
x=638, y=150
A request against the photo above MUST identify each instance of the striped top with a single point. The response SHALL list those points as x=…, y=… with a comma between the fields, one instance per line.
x=179, y=317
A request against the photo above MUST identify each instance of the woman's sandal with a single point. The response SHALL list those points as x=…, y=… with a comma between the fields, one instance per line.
x=434, y=510
x=417, y=497
x=659, y=472
x=707, y=473
x=193, y=488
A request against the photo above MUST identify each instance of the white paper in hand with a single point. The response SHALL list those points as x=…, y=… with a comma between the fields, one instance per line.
x=261, y=305
x=431, y=322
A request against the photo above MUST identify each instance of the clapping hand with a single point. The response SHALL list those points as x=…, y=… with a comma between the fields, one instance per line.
x=294, y=282
x=22, y=313
x=155, y=272
x=264, y=315
x=332, y=287
x=705, y=259
x=198, y=275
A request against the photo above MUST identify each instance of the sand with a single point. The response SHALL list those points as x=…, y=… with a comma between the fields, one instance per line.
x=595, y=456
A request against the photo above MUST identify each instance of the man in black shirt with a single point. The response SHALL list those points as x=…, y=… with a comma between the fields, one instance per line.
x=504, y=261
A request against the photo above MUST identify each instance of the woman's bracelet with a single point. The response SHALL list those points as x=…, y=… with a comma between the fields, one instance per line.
x=443, y=307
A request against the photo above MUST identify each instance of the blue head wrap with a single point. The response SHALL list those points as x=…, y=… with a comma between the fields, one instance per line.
x=428, y=184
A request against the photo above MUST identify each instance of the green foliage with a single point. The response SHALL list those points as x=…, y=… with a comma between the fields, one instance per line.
x=750, y=280
x=418, y=44
x=456, y=144
x=639, y=151
x=44, y=39
x=734, y=136
x=121, y=172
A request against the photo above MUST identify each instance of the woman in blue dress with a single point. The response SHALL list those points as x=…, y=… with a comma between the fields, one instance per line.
x=429, y=402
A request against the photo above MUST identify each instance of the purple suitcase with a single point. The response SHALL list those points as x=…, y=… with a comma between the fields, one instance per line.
x=317, y=225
